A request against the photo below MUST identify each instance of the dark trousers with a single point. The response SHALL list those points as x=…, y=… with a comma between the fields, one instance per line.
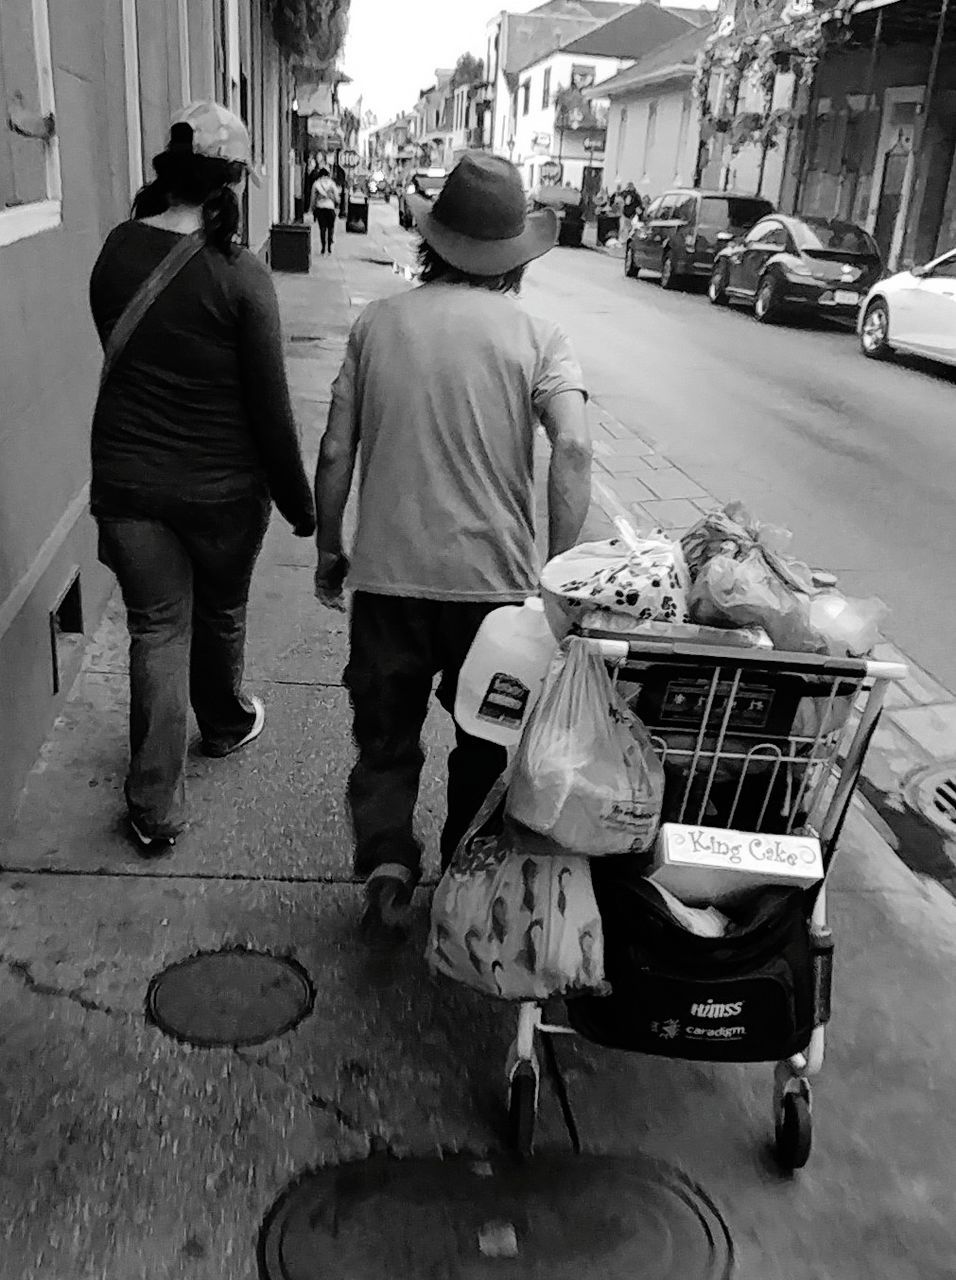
x=185, y=582
x=326, y=221
x=398, y=646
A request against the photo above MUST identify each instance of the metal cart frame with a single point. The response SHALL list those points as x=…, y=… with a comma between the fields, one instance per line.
x=713, y=732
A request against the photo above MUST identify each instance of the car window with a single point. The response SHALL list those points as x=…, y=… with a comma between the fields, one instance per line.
x=685, y=209
x=732, y=213
x=774, y=233
x=820, y=235
x=667, y=208
x=653, y=210
x=945, y=270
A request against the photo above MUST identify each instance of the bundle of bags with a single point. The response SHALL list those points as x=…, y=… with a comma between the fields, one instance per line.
x=515, y=914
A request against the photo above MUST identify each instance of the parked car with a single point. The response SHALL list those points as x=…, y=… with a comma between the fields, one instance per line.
x=426, y=182
x=681, y=232
x=913, y=312
x=789, y=264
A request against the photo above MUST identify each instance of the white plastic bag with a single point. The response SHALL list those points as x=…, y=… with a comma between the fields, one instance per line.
x=514, y=924
x=586, y=775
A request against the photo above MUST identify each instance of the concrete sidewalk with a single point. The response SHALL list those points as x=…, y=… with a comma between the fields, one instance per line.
x=129, y=1154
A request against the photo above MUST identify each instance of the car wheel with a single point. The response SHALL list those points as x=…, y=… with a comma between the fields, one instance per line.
x=717, y=288
x=766, y=302
x=875, y=331
x=631, y=269
x=669, y=278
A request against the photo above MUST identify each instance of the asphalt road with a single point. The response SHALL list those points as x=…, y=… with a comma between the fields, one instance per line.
x=857, y=458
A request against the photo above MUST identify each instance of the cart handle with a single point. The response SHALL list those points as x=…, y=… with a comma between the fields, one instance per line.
x=617, y=650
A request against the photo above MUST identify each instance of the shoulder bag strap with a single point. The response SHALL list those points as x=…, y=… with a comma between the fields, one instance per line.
x=143, y=299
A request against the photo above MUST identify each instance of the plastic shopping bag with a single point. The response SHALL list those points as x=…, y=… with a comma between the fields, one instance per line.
x=747, y=592
x=513, y=924
x=734, y=532
x=586, y=775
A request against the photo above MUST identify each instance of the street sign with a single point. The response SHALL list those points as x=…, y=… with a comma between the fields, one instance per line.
x=349, y=160
x=593, y=144
x=550, y=171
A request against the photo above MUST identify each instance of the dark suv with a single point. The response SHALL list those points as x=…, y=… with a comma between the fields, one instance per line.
x=682, y=232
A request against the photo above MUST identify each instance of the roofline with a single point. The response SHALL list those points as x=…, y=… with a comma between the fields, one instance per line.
x=608, y=89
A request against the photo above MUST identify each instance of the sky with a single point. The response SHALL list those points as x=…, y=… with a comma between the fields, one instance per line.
x=394, y=46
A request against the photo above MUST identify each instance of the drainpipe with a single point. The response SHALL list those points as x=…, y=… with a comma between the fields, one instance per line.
x=809, y=130
x=902, y=231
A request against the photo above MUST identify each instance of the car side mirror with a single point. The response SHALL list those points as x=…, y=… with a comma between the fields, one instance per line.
x=725, y=236
x=920, y=272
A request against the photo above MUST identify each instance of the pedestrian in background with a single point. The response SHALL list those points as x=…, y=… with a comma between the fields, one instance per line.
x=193, y=433
x=325, y=204
x=443, y=387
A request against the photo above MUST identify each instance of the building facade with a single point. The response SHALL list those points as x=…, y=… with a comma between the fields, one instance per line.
x=89, y=89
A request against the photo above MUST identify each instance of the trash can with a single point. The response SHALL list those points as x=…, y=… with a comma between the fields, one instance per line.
x=571, y=232
x=608, y=227
x=290, y=247
x=356, y=213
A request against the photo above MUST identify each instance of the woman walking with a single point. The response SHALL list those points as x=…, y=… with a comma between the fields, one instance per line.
x=325, y=204
x=193, y=435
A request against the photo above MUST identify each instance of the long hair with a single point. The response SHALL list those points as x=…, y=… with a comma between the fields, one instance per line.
x=432, y=268
x=182, y=177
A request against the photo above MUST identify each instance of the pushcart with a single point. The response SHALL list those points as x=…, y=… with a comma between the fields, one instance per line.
x=752, y=740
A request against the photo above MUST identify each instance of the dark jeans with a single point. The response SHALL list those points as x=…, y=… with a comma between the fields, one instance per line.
x=398, y=646
x=326, y=220
x=185, y=582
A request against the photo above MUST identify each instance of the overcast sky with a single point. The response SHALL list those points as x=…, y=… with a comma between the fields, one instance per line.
x=394, y=46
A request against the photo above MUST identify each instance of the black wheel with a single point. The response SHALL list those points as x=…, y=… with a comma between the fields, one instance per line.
x=669, y=278
x=875, y=331
x=631, y=269
x=717, y=287
x=794, y=1131
x=522, y=1105
x=766, y=302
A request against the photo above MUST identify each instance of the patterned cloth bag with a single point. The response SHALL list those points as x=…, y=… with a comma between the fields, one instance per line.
x=514, y=924
x=644, y=578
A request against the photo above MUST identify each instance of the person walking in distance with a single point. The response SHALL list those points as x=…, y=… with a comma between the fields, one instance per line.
x=325, y=204
x=192, y=435
x=443, y=387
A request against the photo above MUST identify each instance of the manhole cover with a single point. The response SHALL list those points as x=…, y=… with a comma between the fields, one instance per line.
x=559, y=1216
x=233, y=997
x=932, y=793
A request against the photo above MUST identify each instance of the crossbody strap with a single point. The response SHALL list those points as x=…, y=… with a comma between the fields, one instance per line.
x=143, y=299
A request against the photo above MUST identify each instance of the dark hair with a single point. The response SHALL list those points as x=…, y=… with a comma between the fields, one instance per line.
x=433, y=267
x=323, y=172
x=182, y=177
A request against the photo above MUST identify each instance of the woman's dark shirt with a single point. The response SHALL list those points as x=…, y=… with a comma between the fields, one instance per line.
x=197, y=406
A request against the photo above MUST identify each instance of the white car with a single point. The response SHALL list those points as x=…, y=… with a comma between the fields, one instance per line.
x=914, y=311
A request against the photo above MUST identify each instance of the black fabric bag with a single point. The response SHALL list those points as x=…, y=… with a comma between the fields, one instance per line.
x=747, y=997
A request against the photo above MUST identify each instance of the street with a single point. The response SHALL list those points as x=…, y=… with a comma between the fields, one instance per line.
x=856, y=458
x=129, y=1153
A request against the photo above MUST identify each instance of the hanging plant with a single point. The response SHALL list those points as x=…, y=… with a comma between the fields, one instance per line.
x=311, y=30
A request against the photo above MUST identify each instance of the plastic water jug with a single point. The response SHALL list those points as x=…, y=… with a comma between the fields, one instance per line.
x=502, y=676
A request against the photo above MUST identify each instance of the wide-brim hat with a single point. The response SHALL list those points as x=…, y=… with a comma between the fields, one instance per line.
x=479, y=223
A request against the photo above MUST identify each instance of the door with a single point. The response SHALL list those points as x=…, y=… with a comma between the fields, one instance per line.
x=932, y=318
x=900, y=107
x=644, y=236
x=751, y=256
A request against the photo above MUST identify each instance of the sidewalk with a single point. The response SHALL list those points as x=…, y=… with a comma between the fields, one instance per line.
x=128, y=1154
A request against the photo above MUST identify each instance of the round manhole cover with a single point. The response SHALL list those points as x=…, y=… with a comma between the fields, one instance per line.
x=556, y=1216
x=932, y=793
x=234, y=997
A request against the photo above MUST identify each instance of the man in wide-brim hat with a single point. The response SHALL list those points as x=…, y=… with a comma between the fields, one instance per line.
x=443, y=387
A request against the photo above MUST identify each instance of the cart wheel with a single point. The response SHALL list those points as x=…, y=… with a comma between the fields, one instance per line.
x=794, y=1131
x=522, y=1106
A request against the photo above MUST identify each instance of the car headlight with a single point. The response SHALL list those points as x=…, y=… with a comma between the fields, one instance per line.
x=797, y=269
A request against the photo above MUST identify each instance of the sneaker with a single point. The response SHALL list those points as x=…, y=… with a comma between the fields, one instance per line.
x=385, y=923
x=151, y=846
x=218, y=753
